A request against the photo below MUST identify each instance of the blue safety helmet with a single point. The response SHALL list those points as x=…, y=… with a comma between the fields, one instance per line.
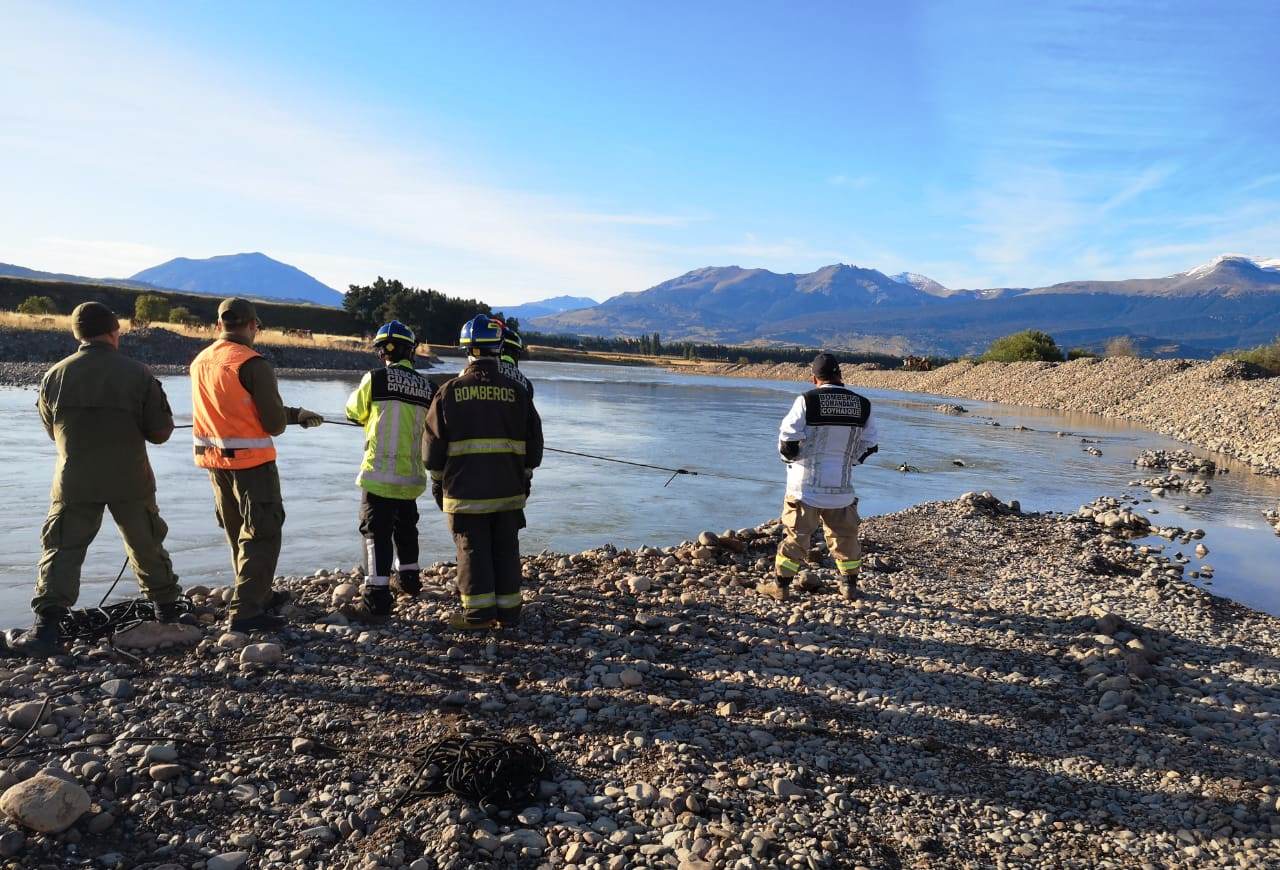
x=394, y=331
x=482, y=333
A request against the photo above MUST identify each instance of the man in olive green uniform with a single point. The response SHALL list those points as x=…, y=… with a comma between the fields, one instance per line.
x=236, y=409
x=100, y=407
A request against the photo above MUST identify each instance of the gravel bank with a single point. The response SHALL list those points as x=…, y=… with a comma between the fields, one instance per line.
x=1219, y=405
x=1014, y=690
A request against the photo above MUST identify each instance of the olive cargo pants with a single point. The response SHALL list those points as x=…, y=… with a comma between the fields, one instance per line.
x=839, y=525
x=71, y=527
x=250, y=510
x=488, y=563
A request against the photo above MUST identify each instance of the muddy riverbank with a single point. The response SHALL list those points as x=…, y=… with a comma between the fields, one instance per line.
x=1017, y=690
x=1221, y=405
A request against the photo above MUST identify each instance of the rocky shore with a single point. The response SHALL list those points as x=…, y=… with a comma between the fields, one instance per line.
x=1012, y=690
x=25, y=354
x=1221, y=405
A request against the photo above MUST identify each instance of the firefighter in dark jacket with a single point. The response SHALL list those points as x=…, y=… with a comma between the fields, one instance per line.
x=483, y=441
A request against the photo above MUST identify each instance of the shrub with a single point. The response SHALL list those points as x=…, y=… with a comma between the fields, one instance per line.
x=182, y=315
x=1081, y=353
x=1266, y=357
x=1121, y=345
x=150, y=308
x=37, y=305
x=1030, y=345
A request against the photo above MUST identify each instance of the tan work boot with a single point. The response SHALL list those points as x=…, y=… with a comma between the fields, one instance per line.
x=775, y=589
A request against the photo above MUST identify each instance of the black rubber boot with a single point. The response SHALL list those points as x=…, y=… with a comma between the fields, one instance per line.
x=849, y=587
x=408, y=583
x=43, y=639
x=374, y=605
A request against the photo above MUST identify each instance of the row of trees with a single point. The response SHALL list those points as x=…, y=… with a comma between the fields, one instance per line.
x=434, y=317
x=147, y=309
x=1032, y=345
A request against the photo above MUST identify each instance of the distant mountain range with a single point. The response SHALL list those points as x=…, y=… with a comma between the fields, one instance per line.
x=254, y=275
x=543, y=307
x=1232, y=301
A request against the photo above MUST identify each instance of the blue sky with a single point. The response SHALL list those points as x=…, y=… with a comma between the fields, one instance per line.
x=514, y=151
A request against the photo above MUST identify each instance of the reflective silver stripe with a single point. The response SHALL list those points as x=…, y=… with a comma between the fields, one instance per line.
x=392, y=477
x=471, y=446
x=230, y=443
x=388, y=435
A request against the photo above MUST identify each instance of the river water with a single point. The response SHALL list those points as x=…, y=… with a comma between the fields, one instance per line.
x=650, y=416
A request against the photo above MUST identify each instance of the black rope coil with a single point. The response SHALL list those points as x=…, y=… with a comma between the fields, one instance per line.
x=93, y=623
x=488, y=770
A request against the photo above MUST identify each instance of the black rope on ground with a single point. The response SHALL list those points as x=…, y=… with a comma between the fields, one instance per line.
x=94, y=623
x=488, y=770
x=35, y=723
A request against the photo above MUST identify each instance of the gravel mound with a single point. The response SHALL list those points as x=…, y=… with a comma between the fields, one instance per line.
x=1221, y=405
x=1012, y=689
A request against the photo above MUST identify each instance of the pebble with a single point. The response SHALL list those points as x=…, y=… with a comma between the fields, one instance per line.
x=262, y=654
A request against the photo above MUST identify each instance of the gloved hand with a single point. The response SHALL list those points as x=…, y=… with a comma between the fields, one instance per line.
x=437, y=492
x=528, y=482
x=309, y=419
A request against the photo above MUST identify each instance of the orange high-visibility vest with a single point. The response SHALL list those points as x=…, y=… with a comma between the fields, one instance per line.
x=226, y=430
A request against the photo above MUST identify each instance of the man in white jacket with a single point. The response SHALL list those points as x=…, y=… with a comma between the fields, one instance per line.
x=828, y=431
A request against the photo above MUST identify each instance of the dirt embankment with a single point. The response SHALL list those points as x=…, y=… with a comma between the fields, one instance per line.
x=25, y=354
x=1219, y=405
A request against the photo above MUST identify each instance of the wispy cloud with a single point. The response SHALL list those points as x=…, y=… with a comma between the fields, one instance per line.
x=851, y=182
x=637, y=220
x=246, y=168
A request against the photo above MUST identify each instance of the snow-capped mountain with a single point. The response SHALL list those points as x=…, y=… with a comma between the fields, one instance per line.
x=923, y=283
x=1204, y=269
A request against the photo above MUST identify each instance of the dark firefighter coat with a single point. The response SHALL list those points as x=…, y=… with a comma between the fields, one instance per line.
x=483, y=440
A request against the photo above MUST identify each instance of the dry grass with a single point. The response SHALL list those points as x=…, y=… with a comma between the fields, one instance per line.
x=62, y=323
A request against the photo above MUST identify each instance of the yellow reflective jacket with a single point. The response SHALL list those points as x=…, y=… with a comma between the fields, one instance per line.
x=391, y=403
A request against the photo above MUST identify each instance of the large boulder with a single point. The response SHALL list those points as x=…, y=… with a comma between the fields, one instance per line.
x=45, y=803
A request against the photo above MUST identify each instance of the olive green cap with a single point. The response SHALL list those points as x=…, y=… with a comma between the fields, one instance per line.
x=237, y=311
x=91, y=319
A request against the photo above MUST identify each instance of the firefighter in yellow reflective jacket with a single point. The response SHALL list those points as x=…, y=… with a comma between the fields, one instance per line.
x=391, y=403
x=484, y=439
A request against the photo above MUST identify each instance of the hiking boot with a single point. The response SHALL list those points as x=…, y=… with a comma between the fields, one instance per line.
x=849, y=587
x=509, y=618
x=775, y=589
x=280, y=598
x=42, y=640
x=267, y=622
x=407, y=583
x=460, y=622
x=174, y=612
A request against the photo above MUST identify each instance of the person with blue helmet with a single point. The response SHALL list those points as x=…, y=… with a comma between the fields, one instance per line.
x=391, y=403
x=483, y=441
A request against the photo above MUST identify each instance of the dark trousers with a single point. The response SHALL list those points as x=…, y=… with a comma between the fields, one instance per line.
x=250, y=510
x=488, y=563
x=390, y=530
